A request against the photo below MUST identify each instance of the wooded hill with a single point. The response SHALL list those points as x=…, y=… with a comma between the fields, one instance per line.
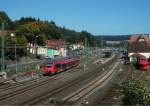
x=37, y=31
x=27, y=28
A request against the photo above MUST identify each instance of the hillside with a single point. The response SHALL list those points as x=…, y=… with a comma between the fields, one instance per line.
x=28, y=28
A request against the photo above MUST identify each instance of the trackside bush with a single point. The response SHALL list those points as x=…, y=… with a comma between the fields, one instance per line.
x=135, y=93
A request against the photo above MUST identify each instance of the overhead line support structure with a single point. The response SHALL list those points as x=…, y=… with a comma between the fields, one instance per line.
x=2, y=48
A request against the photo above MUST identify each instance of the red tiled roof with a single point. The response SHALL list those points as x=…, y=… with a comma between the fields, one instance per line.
x=134, y=38
x=5, y=32
x=56, y=44
x=138, y=55
x=139, y=46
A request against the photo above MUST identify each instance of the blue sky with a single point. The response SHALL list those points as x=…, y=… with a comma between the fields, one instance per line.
x=99, y=17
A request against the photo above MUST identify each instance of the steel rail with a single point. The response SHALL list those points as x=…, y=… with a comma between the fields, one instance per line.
x=26, y=88
x=87, y=89
x=50, y=93
x=11, y=86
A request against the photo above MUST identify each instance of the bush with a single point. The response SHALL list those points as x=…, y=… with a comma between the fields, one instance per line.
x=135, y=93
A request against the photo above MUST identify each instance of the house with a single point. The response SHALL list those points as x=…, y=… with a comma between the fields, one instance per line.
x=31, y=48
x=76, y=46
x=144, y=37
x=6, y=32
x=52, y=49
x=42, y=50
x=139, y=47
x=56, y=48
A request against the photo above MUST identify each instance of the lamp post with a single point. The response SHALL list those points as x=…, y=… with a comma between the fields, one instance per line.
x=13, y=35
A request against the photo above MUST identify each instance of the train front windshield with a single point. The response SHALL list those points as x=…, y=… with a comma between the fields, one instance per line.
x=49, y=65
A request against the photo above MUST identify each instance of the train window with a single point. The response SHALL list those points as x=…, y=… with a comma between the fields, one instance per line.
x=58, y=65
x=64, y=66
x=49, y=66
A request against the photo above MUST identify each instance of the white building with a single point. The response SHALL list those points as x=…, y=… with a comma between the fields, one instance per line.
x=139, y=47
x=76, y=46
x=42, y=50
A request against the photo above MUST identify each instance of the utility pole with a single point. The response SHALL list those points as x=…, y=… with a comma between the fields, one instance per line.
x=96, y=49
x=15, y=46
x=16, y=55
x=85, y=52
x=2, y=49
x=36, y=45
x=101, y=42
x=86, y=46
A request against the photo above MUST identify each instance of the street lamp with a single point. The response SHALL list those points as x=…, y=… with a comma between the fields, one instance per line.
x=13, y=35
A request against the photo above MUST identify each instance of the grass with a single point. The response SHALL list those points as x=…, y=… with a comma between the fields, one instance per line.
x=21, y=70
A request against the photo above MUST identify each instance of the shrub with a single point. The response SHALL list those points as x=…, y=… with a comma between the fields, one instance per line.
x=135, y=93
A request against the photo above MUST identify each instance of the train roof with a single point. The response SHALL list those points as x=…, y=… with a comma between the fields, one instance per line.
x=65, y=61
x=60, y=59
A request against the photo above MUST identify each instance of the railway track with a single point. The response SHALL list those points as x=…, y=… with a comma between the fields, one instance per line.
x=57, y=91
x=87, y=89
x=112, y=91
x=15, y=85
x=127, y=71
x=23, y=87
x=28, y=88
x=6, y=85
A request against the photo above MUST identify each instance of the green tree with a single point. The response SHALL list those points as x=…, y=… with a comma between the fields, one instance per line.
x=33, y=30
x=5, y=19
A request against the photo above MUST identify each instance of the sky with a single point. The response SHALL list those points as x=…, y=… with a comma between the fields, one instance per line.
x=99, y=17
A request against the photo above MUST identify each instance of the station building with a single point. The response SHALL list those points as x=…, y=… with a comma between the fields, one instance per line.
x=139, y=47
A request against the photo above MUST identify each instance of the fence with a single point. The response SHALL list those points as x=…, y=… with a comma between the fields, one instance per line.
x=24, y=67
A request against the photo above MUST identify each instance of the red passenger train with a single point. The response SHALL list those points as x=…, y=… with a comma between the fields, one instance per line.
x=143, y=64
x=59, y=65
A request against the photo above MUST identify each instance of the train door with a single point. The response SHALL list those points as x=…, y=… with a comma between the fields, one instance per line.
x=64, y=66
x=58, y=67
x=67, y=65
